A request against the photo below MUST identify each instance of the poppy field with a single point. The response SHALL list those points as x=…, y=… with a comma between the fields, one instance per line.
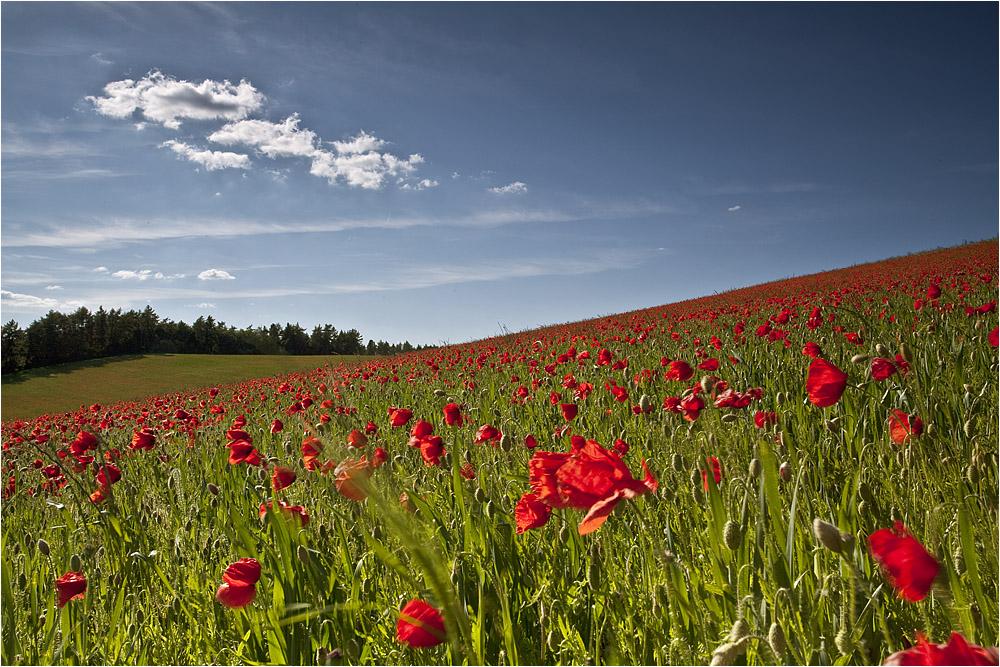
x=800, y=472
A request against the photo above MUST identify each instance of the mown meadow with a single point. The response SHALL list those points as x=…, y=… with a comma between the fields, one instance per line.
x=801, y=472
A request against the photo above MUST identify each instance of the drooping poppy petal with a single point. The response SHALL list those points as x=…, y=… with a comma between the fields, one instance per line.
x=598, y=513
x=530, y=512
x=826, y=383
x=420, y=625
x=70, y=586
x=905, y=562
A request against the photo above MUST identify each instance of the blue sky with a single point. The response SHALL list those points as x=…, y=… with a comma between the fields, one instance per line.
x=442, y=172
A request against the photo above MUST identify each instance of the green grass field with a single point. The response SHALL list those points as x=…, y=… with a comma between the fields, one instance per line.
x=65, y=387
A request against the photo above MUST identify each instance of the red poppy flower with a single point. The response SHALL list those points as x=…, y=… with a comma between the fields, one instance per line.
x=530, y=512
x=957, y=651
x=679, y=370
x=569, y=410
x=357, y=439
x=604, y=357
x=420, y=625
x=933, y=292
x=352, y=478
x=421, y=429
x=108, y=474
x=431, y=449
x=904, y=427
x=379, y=457
x=467, y=471
x=994, y=337
x=144, y=439
x=290, y=511
x=70, y=586
x=371, y=428
x=691, y=407
x=882, y=369
x=716, y=472
x=710, y=364
x=282, y=478
x=452, y=415
x=811, y=349
x=530, y=442
x=761, y=419
x=825, y=383
x=400, y=417
x=905, y=562
x=487, y=433
x=242, y=451
x=235, y=596
x=277, y=426
x=621, y=447
x=100, y=495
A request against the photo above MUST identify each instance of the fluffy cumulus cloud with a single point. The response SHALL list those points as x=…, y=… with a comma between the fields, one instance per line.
x=166, y=100
x=215, y=274
x=360, y=161
x=144, y=274
x=210, y=160
x=515, y=188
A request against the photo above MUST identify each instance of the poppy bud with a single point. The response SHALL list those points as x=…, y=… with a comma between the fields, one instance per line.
x=776, y=639
x=727, y=653
x=665, y=430
x=140, y=616
x=678, y=462
x=972, y=474
x=780, y=398
x=479, y=495
x=212, y=488
x=882, y=350
x=844, y=642
x=785, y=471
x=729, y=418
x=490, y=509
x=755, y=468
x=74, y=563
x=828, y=535
x=564, y=533
x=732, y=535
x=215, y=502
x=594, y=575
x=667, y=492
x=302, y=554
x=644, y=403
x=906, y=352
x=958, y=558
x=43, y=547
x=707, y=383
x=969, y=428
x=440, y=392
x=551, y=640
x=321, y=656
x=506, y=442
x=22, y=581
x=860, y=359
x=739, y=630
x=831, y=425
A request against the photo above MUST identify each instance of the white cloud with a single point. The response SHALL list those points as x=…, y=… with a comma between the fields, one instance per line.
x=15, y=300
x=422, y=185
x=211, y=160
x=362, y=143
x=455, y=175
x=167, y=100
x=515, y=188
x=99, y=58
x=101, y=269
x=215, y=274
x=734, y=208
x=144, y=274
x=274, y=140
x=365, y=170
x=53, y=287
x=204, y=304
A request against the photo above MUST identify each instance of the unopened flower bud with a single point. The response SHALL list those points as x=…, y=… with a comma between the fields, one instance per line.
x=739, y=630
x=969, y=428
x=785, y=471
x=732, y=535
x=302, y=554
x=43, y=547
x=882, y=350
x=776, y=639
x=860, y=359
x=212, y=488
x=844, y=642
x=828, y=535
x=440, y=392
x=972, y=474
x=74, y=563
x=644, y=403
x=729, y=418
x=727, y=653
x=906, y=352
x=677, y=462
x=755, y=467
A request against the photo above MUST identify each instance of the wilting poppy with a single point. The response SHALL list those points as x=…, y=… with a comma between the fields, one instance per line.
x=569, y=410
x=239, y=583
x=420, y=625
x=70, y=586
x=467, y=471
x=530, y=512
x=282, y=478
x=905, y=562
x=290, y=511
x=352, y=478
x=825, y=383
x=957, y=651
x=904, y=427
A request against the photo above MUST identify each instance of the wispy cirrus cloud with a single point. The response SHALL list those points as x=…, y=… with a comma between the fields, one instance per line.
x=120, y=231
x=144, y=274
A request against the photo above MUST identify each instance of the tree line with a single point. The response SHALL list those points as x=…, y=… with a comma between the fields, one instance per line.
x=59, y=338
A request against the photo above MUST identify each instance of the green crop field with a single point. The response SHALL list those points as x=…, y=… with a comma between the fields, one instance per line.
x=66, y=387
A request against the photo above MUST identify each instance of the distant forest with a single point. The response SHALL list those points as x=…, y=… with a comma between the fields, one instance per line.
x=58, y=338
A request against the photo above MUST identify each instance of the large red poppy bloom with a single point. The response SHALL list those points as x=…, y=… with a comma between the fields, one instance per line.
x=905, y=562
x=239, y=583
x=956, y=652
x=420, y=625
x=70, y=586
x=679, y=370
x=825, y=383
x=487, y=433
x=530, y=512
x=144, y=439
x=452, y=415
x=569, y=410
x=357, y=439
x=400, y=417
x=882, y=369
x=352, y=478
x=290, y=511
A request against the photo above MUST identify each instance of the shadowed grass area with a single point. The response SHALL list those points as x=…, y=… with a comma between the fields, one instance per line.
x=65, y=387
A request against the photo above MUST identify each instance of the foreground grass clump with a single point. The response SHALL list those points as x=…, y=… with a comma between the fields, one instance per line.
x=66, y=387
x=803, y=472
